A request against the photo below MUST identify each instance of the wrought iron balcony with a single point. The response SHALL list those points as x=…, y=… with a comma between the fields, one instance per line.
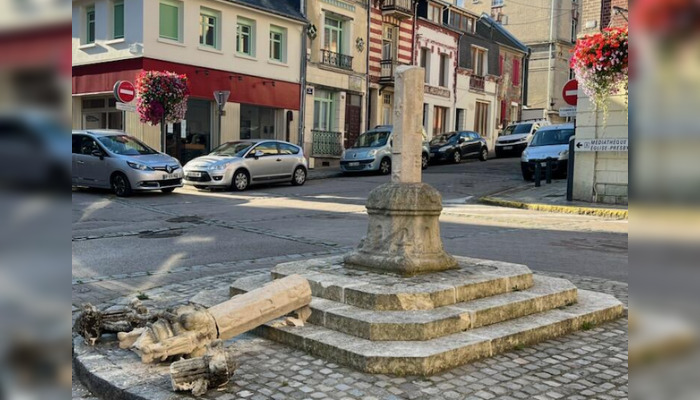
x=336, y=59
x=397, y=8
x=326, y=143
x=477, y=83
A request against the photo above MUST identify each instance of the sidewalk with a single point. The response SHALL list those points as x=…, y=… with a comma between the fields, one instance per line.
x=552, y=198
x=324, y=173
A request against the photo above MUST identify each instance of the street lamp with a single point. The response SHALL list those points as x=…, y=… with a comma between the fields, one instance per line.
x=221, y=97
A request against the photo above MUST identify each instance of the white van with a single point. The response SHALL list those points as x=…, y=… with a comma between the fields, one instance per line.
x=515, y=138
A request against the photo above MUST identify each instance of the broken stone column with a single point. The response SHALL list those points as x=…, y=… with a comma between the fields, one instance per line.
x=197, y=375
x=403, y=235
x=92, y=323
x=189, y=330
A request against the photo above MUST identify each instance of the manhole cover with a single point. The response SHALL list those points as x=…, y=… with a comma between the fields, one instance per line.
x=161, y=234
x=185, y=219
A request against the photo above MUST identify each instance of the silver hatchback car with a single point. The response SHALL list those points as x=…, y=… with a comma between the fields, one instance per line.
x=237, y=165
x=113, y=159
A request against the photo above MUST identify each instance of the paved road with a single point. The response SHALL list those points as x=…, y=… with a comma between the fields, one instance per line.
x=152, y=239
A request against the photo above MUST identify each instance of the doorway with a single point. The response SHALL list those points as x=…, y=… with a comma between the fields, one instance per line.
x=191, y=138
x=353, y=119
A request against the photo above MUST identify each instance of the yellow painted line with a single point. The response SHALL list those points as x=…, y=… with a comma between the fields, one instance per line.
x=598, y=212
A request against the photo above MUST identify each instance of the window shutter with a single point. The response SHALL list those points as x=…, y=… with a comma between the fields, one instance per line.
x=169, y=21
x=500, y=65
x=516, y=72
x=503, y=111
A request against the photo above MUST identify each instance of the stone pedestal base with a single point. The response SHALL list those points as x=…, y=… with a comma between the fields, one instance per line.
x=403, y=236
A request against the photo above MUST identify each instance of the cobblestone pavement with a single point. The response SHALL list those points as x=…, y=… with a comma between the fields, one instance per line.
x=585, y=365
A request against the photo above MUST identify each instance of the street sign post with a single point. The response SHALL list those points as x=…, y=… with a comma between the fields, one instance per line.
x=567, y=111
x=221, y=97
x=125, y=107
x=584, y=145
x=570, y=92
x=124, y=91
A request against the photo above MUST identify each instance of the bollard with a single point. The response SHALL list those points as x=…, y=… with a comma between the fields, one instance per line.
x=548, y=171
x=538, y=173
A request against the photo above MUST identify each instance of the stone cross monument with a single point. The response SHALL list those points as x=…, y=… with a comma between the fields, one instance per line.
x=403, y=236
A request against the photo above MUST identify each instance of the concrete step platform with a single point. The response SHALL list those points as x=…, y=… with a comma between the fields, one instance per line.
x=435, y=355
x=546, y=294
x=476, y=278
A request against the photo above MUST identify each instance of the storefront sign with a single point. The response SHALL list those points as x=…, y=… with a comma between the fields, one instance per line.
x=601, y=144
x=126, y=107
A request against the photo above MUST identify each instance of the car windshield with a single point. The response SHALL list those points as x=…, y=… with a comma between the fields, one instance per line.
x=372, y=139
x=125, y=145
x=552, y=137
x=232, y=149
x=444, y=138
x=516, y=129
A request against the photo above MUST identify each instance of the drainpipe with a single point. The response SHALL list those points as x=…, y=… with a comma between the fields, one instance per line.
x=549, y=60
x=368, y=44
x=415, y=37
x=526, y=76
x=302, y=94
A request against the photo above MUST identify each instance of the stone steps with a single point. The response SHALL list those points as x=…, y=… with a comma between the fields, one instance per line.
x=435, y=355
x=475, y=279
x=546, y=294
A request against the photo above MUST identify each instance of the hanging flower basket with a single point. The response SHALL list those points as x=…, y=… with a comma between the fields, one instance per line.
x=161, y=96
x=600, y=64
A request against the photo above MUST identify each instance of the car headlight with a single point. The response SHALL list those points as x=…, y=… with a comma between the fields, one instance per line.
x=371, y=153
x=524, y=156
x=219, y=167
x=138, y=166
x=444, y=149
x=563, y=154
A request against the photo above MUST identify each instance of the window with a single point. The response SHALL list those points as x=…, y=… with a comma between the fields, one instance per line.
x=287, y=148
x=278, y=43
x=503, y=112
x=267, y=148
x=444, y=70
x=479, y=61
x=324, y=108
x=387, y=110
x=333, y=35
x=481, y=118
x=208, y=28
x=118, y=22
x=460, y=120
x=425, y=62
x=440, y=120
x=516, y=72
x=170, y=20
x=390, y=39
x=514, y=111
x=244, y=37
x=470, y=25
x=435, y=13
x=497, y=3
x=84, y=145
x=90, y=25
x=461, y=22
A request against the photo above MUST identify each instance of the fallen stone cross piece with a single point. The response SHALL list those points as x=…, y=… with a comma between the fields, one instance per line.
x=188, y=330
x=199, y=374
x=92, y=323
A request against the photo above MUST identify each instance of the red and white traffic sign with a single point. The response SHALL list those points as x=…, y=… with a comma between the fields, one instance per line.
x=570, y=92
x=124, y=91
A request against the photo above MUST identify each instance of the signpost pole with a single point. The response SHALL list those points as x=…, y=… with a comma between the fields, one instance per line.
x=162, y=135
x=221, y=97
x=570, y=168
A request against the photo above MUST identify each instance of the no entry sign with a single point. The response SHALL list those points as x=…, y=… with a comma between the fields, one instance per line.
x=570, y=92
x=124, y=91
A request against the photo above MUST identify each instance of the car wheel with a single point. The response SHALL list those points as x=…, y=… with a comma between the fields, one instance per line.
x=424, y=160
x=241, y=180
x=484, y=154
x=527, y=175
x=299, y=176
x=385, y=166
x=120, y=185
x=456, y=157
x=167, y=190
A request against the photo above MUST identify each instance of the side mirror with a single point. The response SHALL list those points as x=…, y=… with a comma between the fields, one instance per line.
x=462, y=140
x=98, y=153
x=258, y=154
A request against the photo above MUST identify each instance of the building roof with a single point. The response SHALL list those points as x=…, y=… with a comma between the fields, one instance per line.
x=286, y=8
x=487, y=27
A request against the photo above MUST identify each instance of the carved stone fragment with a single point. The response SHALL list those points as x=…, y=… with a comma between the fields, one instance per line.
x=212, y=370
x=92, y=323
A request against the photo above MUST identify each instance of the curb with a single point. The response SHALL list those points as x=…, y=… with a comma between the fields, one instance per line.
x=597, y=212
x=335, y=174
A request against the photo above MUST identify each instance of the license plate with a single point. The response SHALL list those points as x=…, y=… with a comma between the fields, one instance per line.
x=195, y=174
x=169, y=176
x=508, y=148
x=354, y=164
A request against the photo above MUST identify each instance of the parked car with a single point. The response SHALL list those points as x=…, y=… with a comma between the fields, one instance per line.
x=113, y=159
x=239, y=164
x=549, y=142
x=372, y=152
x=515, y=138
x=456, y=146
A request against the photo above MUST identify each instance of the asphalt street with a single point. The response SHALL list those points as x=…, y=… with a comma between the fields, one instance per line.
x=147, y=240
